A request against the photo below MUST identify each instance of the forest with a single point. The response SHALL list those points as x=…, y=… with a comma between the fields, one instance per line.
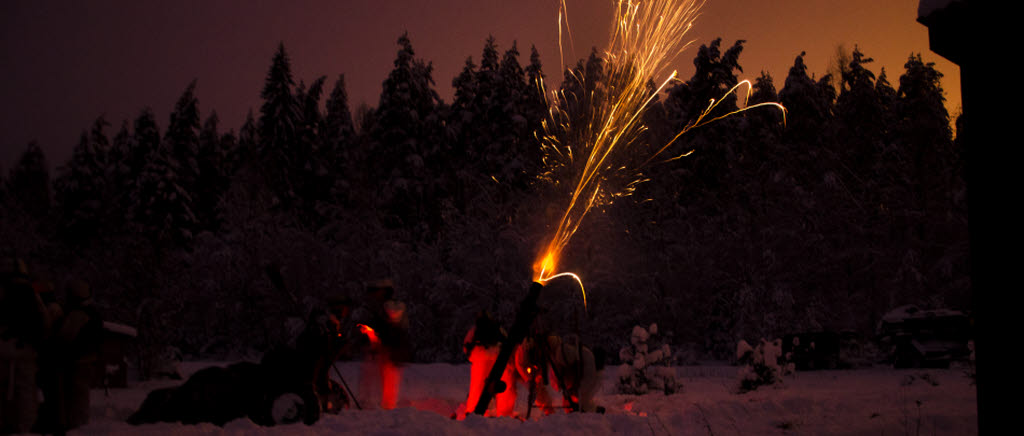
x=852, y=204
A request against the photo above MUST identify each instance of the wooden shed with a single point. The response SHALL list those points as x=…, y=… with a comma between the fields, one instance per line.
x=116, y=350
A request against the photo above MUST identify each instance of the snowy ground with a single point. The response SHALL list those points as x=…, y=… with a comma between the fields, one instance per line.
x=875, y=401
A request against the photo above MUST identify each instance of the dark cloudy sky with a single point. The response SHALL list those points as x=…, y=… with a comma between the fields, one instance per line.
x=64, y=63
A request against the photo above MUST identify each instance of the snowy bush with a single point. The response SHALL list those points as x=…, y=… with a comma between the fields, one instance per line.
x=763, y=365
x=646, y=366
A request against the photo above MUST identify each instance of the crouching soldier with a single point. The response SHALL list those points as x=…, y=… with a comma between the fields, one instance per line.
x=532, y=365
x=577, y=373
x=303, y=371
x=482, y=345
x=322, y=342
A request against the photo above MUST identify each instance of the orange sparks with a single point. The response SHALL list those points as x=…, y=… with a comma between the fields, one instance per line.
x=592, y=141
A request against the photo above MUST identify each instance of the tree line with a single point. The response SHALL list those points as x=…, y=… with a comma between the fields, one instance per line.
x=851, y=205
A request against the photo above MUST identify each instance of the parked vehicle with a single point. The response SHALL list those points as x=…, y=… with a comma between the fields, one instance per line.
x=916, y=338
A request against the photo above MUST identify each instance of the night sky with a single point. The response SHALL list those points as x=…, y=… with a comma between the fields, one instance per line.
x=66, y=62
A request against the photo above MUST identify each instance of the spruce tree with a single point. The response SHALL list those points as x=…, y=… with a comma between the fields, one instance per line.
x=887, y=103
x=463, y=116
x=761, y=153
x=577, y=100
x=121, y=177
x=486, y=108
x=714, y=75
x=278, y=127
x=465, y=87
x=860, y=116
x=515, y=139
x=28, y=184
x=923, y=131
x=310, y=173
x=536, y=101
x=163, y=206
x=339, y=143
x=808, y=107
x=406, y=135
x=145, y=140
x=764, y=90
x=183, y=136
x=248, y=142
x=166, y=193
x=767, y=123
x=214, y=172
x=311, y=119
x=338, y=129
x=80, y=188
x=279, y=113
x=535, y=109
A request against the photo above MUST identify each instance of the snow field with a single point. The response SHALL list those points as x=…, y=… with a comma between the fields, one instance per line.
x=871, y=401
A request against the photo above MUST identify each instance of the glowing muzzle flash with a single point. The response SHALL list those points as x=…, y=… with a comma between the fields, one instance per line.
x=368, y=331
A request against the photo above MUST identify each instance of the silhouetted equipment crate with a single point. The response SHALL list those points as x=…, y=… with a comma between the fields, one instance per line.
x=115, y=350
x=812, y=350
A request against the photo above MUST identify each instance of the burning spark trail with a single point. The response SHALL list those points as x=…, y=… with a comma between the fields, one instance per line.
x=592, y=136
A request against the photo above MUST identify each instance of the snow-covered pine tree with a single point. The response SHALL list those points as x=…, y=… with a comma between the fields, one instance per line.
x=183, y=136
x=463, y=114
x=933, y=177
x=763, y=365
x=248, y=141
x=312, y=175
x=338, y=131
x=278, y=127
x=214, y=173
x=714, y=74
x=141, y=147
x=338, y=127
x=514, y=137
x=120, y=176
x=164, y=193
x=339, y=150
x=860, y=118
x=808, y=110
x=145, y=140
x=80, y=188
x=535, y=103
x=767, y=123
x=887, y=100
x=480, y=104
x=406, y=136
x=29, y=182
x=647, y=364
